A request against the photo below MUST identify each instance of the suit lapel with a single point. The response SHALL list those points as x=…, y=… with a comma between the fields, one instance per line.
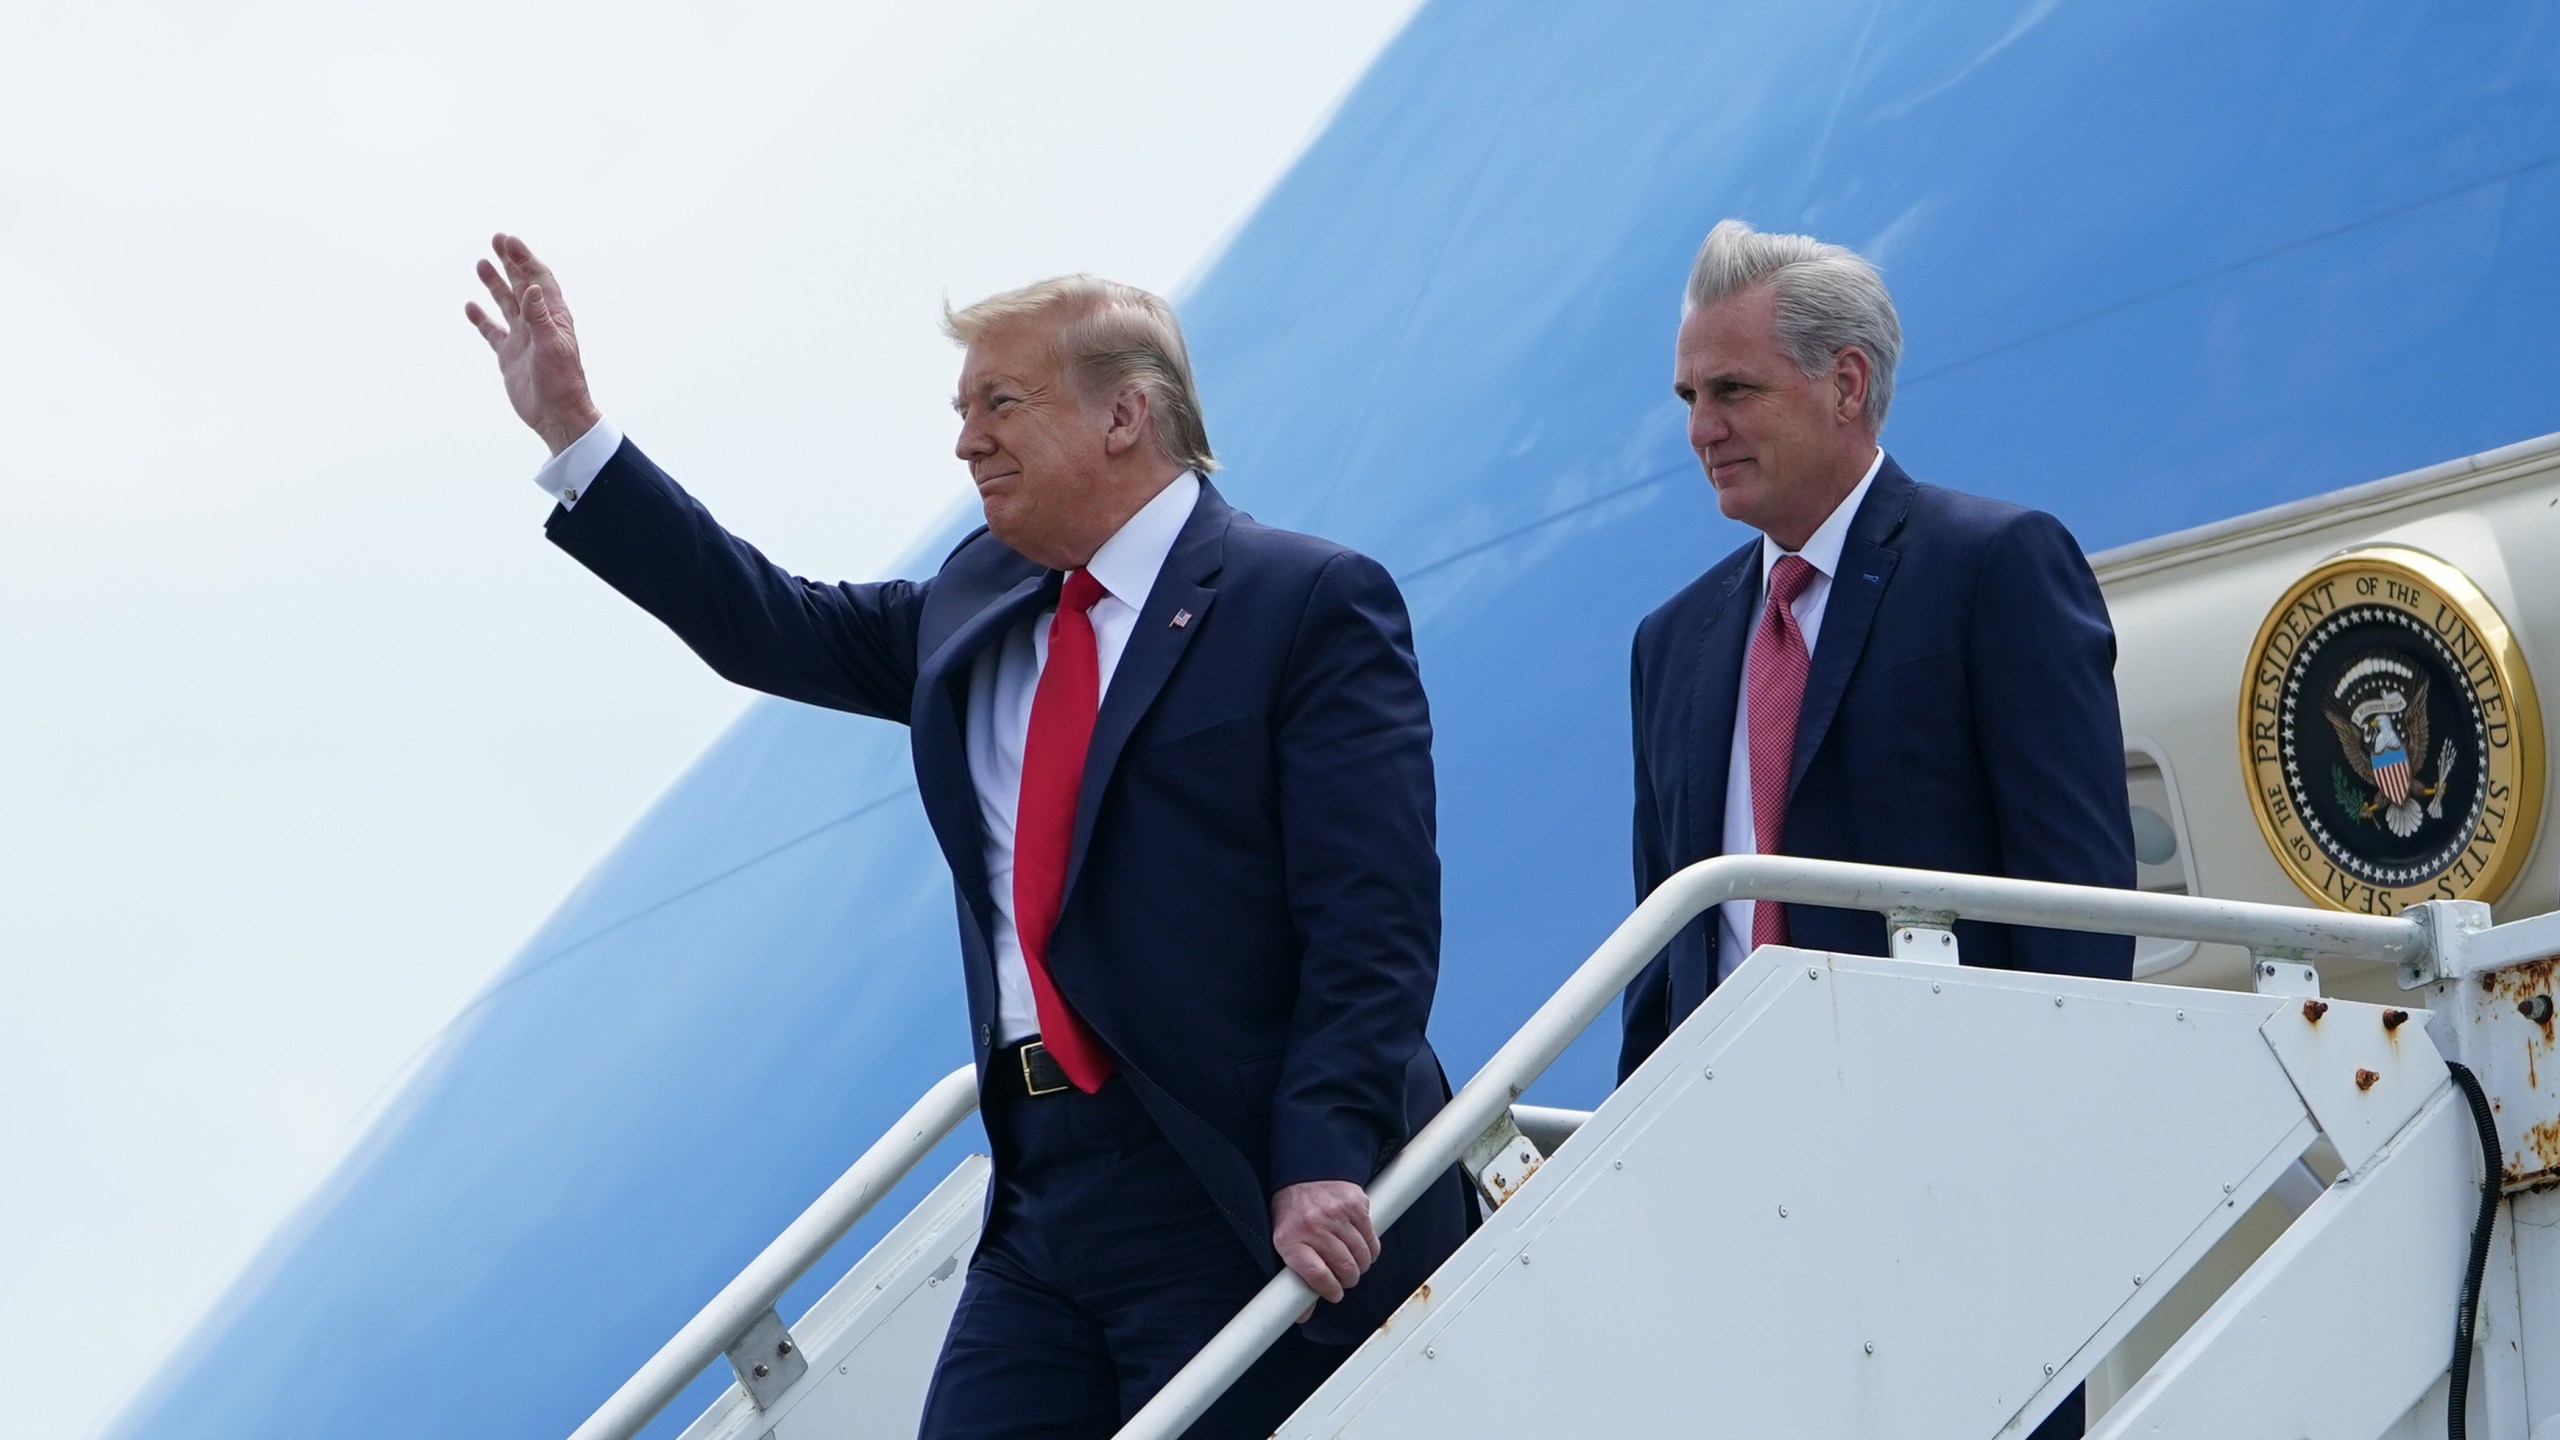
x=1155, y=646
x=940, y=725
x=1722, y=642
x=1865, y=567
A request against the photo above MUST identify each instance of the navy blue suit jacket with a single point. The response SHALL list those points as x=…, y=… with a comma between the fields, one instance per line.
x=1960, y=715
x=1252, y=913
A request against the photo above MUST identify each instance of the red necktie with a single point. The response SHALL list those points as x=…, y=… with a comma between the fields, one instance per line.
x=1773, y=689
x=1044, y=820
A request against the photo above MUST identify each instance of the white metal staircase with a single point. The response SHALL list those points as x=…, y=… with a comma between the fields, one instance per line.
x=1861, y=1196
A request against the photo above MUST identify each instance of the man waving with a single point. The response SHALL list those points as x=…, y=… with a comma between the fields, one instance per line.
x=1179, y=764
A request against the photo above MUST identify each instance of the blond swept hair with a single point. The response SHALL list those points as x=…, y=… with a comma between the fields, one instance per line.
x=1110, y=335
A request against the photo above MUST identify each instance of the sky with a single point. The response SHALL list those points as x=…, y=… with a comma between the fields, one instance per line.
x=303, y=728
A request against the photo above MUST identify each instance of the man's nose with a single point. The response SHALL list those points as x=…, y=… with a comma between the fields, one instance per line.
x=974, y=443
x=1706, y=428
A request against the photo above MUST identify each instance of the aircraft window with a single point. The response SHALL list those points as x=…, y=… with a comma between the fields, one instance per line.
x=2162, y=865
x=2155, y=842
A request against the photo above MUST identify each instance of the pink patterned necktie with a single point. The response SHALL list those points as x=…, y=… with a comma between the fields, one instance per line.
x=1044, y=822
x=1773, y=689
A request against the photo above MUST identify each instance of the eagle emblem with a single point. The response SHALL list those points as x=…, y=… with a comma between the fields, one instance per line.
x=2391, y=736
x=2379, y=710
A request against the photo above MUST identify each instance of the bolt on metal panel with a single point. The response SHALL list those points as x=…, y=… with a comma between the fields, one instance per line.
x=2507, y=1022
x=2283, y=977
x=2361, y=1073
x=1913, y=940
x=1501, y=1160
x=767, y=1360
x=2496, y=996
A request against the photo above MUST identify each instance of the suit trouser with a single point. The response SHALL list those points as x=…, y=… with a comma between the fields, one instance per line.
x=1104, y=1268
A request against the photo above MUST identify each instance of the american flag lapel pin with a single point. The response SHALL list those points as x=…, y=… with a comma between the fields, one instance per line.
x=1181, y=618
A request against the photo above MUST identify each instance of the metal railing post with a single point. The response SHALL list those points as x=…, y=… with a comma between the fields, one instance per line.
x=746, y=1299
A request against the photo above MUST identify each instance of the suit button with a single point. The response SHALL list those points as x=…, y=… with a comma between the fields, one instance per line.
x=986, y=1036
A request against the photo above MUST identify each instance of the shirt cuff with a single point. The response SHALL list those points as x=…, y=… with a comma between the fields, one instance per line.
x=567, y=475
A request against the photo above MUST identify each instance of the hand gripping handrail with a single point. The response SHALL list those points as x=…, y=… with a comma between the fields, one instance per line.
x=1906, y=895
x=802, y=1243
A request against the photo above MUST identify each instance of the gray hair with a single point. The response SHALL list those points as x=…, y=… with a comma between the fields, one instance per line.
x=1111, y=336
x=1829, y=299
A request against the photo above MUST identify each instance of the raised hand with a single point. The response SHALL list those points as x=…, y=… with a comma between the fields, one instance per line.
x=537, y=346
x=1321, y=1230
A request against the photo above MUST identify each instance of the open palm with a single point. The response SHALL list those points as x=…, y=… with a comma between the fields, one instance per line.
x=536, y=344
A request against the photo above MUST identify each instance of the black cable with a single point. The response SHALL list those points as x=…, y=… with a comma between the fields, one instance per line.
x=2465, y=1323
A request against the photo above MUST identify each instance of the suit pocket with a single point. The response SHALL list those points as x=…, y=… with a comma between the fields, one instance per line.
x=1922, y=690
x=1211, y=739
x=1911, y=734
x=1257, y=1078
x=1927, y=668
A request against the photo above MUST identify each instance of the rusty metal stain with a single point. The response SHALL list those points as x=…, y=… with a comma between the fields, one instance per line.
x=2539, y=1167
x=2312, y=1010
x=2365, y=1079
x=1528, y=1168
x=2534, y=1164
x=2524, y=981
x=2533, y=1161
x=2523, y=984
x=2394, y=1019
x=1420, y=1298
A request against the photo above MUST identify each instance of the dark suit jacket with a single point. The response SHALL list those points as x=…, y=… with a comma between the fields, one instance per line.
x=1960, y=715
x=1252, y=912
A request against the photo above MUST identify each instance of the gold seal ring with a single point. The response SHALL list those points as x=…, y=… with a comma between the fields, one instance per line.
x=2390, y=735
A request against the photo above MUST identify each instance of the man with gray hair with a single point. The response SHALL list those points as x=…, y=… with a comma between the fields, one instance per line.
x=1179, y=764
x=1888, y=672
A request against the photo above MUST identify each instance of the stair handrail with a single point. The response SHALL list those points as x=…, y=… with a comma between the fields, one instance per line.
x=719, y=1324
x=1921, y=897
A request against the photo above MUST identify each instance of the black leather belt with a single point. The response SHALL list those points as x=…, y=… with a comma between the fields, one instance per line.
x=1033, y=1066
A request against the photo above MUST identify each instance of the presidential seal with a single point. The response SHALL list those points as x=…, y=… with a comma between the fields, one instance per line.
x=2390, y=734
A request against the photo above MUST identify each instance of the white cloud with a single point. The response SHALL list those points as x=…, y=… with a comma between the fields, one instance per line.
x=303, y=728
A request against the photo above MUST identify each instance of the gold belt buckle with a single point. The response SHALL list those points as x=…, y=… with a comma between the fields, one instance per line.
x=1030, y=1084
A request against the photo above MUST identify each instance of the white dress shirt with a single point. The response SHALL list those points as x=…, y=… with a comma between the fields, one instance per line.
x=1822, y=552
x=566, y=476
x=1002, y=681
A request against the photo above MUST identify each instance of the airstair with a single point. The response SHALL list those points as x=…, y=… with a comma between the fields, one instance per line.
x=1881, y=1197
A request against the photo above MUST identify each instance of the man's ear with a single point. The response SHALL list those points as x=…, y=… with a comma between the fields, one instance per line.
x=1131, y=416
x=1851, y=373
